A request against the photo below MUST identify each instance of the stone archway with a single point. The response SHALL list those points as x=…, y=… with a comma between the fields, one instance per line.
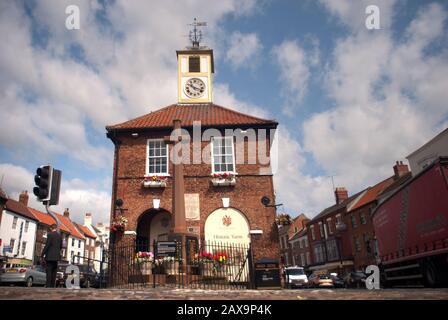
x=153, y=225
x=227, y=225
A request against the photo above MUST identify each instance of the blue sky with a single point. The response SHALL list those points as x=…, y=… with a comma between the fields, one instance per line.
x=350, y=101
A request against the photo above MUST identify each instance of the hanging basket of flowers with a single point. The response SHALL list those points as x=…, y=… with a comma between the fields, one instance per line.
x=283, y=219
x=154, y=181
x=119, y=224
x=223, y=179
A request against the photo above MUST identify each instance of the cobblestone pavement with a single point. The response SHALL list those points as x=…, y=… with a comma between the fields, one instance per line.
x=15, y=293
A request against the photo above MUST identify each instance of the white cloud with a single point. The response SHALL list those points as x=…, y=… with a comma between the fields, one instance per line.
x=389, y=100
x=353, y=13
x=124, y=71
x=77, y=195
x=299, y=192
x=294, y=72
x=244, y=49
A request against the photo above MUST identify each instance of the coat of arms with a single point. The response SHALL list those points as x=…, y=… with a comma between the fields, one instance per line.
x=226, y=220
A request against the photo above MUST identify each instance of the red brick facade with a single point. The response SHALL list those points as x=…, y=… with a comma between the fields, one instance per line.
x=286, y=234
x=330, y=246
x=245, y=196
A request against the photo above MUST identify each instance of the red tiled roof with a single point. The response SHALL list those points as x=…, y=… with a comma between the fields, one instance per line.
x=46, y=219
x=208, y=114
x=19, y=208
x=372, y=193
x=70, y=225
x=86, y=231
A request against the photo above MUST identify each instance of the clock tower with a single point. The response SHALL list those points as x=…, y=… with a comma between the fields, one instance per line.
x=195, y=69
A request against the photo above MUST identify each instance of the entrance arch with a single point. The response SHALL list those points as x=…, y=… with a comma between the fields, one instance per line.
x=153, y=225
x=227, y=225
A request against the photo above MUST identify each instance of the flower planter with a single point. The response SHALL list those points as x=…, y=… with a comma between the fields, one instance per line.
x=223, y=182
x=154, y=184
x=146, y=268
x=172, y=267
x=207, y=269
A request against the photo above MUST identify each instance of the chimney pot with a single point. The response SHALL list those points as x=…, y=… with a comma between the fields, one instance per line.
x=341, y=194
x=66, y=213
x=23, y=198
x=400, y=169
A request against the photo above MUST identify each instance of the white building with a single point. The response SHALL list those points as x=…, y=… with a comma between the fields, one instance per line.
x=102, y=242
x=430, y=151
x=17, y=232
x=75, y=242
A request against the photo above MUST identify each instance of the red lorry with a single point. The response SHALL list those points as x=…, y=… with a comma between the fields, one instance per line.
x=411, y=229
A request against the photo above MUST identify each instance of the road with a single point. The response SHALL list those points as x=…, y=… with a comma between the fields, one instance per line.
x=37, y=293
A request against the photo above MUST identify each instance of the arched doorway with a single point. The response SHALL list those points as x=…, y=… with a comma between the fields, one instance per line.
x=227, y=225
x=153, y=225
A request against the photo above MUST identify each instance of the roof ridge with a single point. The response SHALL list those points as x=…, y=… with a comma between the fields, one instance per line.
x=243, y=114
x=142, y=116
x=210, y=114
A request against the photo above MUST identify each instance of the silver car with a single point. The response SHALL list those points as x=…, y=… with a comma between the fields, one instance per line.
x=27, y=275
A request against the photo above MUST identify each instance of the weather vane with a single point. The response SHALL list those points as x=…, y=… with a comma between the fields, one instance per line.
x=196, y=34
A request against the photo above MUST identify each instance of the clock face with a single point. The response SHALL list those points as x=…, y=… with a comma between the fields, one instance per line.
x=194, y=88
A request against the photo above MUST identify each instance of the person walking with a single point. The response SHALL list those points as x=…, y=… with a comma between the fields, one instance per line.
x=51, y=255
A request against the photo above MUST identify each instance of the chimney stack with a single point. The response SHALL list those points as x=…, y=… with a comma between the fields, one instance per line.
x=88, y=219
x=400, y=169
x=66, y=213
x=341, y=194
x=23, y=198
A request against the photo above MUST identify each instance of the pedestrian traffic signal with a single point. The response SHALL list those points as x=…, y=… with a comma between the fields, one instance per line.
x=48, y=181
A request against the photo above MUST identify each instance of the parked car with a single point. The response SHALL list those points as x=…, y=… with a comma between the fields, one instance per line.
x=25, y=275
x=355, y=279
x=87, y=275
x=295, y=277
x=60, y=274
x=320, y=280
x=337, y=281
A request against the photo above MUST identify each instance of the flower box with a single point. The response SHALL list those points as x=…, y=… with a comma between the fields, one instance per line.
x=154, y=184
x=223, y=179
x=283, y=219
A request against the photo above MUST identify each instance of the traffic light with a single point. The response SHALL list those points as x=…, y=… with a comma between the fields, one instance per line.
x=48, y=181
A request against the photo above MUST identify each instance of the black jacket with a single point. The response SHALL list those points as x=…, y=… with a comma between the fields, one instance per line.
x=52, y=249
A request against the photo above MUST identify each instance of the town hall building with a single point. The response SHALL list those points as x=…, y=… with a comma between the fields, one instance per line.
x=210, y=190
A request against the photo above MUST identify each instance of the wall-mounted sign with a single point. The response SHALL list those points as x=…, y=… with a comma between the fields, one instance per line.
x=192, y=206
x=166, y=249
x=227, y=225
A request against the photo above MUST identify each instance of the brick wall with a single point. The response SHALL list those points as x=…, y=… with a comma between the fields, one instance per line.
x=363, y=232
x=245, y=196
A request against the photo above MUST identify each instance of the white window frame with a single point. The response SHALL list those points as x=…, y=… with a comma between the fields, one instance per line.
x=330, y=230
x=313, y=235
x=321, y=230
x=23, y=248
x=213, y=158
x=27, y=225
x=161, y=174
x=15, y=220
x=338, y=218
